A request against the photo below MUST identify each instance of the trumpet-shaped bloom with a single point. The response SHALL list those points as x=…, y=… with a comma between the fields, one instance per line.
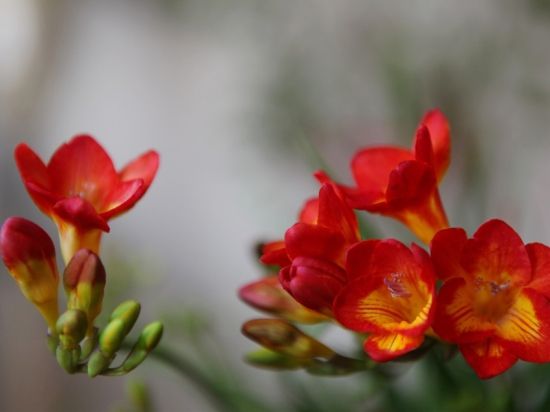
x=317, y=252
x=80, y=189
x=390, y=296
x=29, y=254
x=495, y=300
x=402, y=183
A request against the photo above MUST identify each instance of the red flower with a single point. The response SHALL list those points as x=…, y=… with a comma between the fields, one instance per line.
x=80, y=189
x=494, y=302
x=317, y=252
x=29, y=254
x=390, y=295
x=402, y=183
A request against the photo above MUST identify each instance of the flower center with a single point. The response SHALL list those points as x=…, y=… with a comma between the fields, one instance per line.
x=492, y=299
x=396, y=287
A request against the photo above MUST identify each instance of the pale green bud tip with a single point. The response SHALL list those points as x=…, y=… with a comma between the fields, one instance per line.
x=112, y=336
x=71, y=327
x=151, y=335
x=127, y=312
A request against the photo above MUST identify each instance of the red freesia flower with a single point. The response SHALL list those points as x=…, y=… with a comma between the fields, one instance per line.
x=317, y=249
x=390, y=295
x=402, y=183
x=80, y=189
x=495, y=300
x=29, y=254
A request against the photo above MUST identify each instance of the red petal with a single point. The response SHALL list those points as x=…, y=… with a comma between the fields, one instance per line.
x=82, y=168
x=335, y=213
x=539, y=255
x=525, y=329
x=358, y=258
x=123, y=198
x=497, y=254
x=35, y=177
x=410, y=183
x=455, y=320
x=79, y=213
x=274, y=253
x=423, y=146
x=385, y=347
x=440, y=136
x=22, y=241
x=446, y=248
x=371, y=167
x=488, y=358
x=144, y=167
x=313, y=241
x=310, y=211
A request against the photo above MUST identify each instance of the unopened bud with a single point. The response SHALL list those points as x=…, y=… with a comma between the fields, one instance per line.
x=68, y=358
x=112, y=336
x=98, y=363
x=29, y=254
x=282, y=337
x=84, y=281
x=265, y=358
x=127, y=312
x=148, y=340
x=71, y=328
x=269, y=296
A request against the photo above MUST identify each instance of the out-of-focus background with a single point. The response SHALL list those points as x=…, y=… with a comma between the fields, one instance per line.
x=241, y=98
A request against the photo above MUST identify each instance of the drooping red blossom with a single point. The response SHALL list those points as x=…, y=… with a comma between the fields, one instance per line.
x=390, y=296
x=403, y=183
x=80, y=189
x=29, y=254
x=317, y=252
x=494, y=302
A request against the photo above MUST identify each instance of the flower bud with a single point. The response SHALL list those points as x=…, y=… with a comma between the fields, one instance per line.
x=112, y=336
x=268, y=295
x=84, y=280
x=71, y=328
x=148, y=340
x=127, y=312
x=282, y=337
x=265, y=358
x=29, y=254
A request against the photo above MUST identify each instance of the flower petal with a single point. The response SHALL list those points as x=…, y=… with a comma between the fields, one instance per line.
x=122, y=198
x=274, y=253
x=440, y=136
x=455, y=319
x=385, y=347
x=310, y=211
x=371, y=167
x=35, y=177
x=539, y=255
x=144, y=167
x=497, y=254
x=313, y=241
x=79, y=213
x=358, y=258
x=525, y=329
x=422, y=147
x=335, y=213
x=488, y=358
x=446, y=249
x=410, y=183
x=82, y=168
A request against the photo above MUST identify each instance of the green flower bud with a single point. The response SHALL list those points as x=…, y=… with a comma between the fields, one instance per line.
x=265, y=358
x=71, y=328
x=68, y=358
x=98, y=363
x=282, y=337
x=112, y=336
x=84, y=280
x=148, y=340
x=127, y=312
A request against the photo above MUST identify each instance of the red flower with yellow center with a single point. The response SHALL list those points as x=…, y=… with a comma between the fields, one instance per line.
x=316, y=248
x=390, y=296
x=80, y=189
x=494, y=302
x=402, y=183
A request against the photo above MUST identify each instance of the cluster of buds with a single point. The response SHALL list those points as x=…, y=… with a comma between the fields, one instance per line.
x=488, y=295
x=80, y=190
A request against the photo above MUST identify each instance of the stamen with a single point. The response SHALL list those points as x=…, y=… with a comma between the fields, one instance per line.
x=395, y=286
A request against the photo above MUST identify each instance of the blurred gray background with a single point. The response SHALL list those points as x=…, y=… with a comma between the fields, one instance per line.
x=241, y=98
